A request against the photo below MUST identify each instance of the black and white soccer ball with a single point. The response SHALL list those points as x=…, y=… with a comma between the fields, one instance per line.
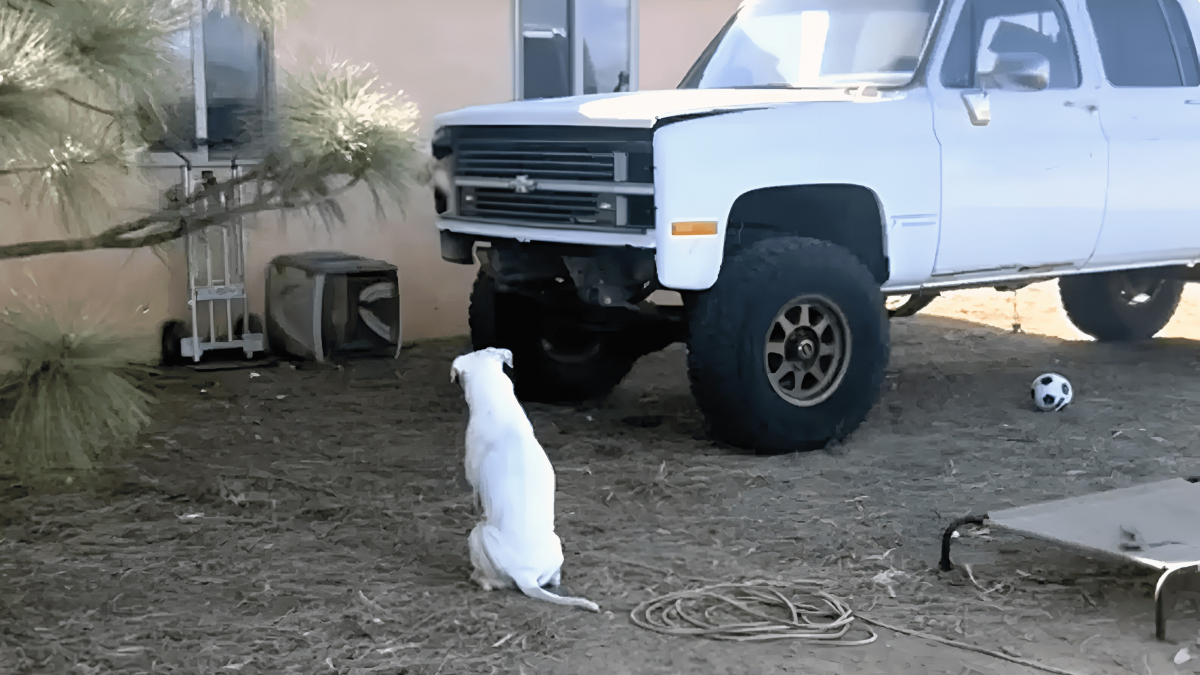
x=1051, y=392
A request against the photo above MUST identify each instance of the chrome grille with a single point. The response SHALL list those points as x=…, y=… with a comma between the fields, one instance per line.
x=568, y=208
x=553, y=176
x=502, y=160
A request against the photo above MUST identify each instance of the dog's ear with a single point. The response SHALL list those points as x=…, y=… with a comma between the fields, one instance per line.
x=456, y=370
x=506, y=356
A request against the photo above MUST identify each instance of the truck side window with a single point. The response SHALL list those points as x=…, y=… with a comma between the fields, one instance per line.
x=987, y=28
x=1145, y=43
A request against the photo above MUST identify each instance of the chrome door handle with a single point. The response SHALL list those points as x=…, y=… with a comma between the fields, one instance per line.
x=1192, y=101
x=1090, y=107
x=979, y=107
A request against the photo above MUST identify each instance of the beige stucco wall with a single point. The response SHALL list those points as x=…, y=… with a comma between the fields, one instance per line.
x=673, y=33
x=444, y=55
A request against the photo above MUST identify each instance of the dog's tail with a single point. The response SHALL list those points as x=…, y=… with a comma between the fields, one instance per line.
x=538, y=593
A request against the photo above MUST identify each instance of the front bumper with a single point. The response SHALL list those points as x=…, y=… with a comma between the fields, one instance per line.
x=464, y=231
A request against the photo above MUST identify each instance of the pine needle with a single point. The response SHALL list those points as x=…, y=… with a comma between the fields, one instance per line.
x=69, y=399
x=336, y=122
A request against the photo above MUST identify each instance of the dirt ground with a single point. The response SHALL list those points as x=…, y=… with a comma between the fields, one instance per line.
x=281, y=520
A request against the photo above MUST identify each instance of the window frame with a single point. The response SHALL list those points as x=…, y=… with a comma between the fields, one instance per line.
x=199, y=156
x=937, y=73
x=576, y=49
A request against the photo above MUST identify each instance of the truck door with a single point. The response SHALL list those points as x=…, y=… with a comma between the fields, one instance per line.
x=1150, y=110
x=1024, y=158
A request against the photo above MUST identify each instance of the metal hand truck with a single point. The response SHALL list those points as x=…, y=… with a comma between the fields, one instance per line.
x=216, y=260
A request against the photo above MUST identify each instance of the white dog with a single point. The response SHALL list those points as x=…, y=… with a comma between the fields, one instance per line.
x=513, y=481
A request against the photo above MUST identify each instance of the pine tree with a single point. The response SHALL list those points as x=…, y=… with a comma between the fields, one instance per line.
x=83, y=89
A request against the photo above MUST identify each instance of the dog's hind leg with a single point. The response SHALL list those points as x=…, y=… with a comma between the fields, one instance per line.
x=484, y=572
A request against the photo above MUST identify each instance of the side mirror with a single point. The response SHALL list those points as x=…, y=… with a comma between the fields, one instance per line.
x=1018, y=70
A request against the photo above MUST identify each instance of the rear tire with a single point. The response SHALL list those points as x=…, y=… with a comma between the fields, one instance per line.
x=551, y=365
x=173, y=333
x=1120, y=306
x=788, y=349
x=911, y=304
x=256, y=326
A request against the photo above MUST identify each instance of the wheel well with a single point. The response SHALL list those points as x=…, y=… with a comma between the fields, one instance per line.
x=846, y=215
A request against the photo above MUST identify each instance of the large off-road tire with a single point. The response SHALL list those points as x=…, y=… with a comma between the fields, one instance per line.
x=551, y=364
x=1120, y=306
x=787, y=351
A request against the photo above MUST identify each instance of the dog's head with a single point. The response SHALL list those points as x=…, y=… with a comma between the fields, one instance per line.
x=464, y=364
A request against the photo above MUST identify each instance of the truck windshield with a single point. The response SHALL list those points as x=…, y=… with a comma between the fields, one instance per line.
x=816, y=44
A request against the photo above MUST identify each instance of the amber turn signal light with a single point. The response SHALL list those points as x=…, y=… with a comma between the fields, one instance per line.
x=693, y=228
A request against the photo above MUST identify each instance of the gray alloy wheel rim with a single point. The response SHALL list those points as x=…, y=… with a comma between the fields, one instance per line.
x=807, y=350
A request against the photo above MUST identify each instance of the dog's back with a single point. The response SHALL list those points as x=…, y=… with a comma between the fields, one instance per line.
x=512, y=473
x=497, y=420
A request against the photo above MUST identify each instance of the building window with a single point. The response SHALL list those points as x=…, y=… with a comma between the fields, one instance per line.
x=226, y=63
x=575, y=47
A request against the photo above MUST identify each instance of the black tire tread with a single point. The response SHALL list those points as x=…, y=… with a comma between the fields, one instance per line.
x=714, y=342
x=510, y=321
x=256, y=326
x=172, y=333
x=1092, y=303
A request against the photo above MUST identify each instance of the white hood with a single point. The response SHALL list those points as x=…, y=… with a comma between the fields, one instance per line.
x=636, y=109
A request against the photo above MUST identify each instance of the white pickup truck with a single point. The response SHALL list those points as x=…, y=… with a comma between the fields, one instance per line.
x=820, y=157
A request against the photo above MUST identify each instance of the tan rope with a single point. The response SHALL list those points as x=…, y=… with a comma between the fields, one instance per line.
x=750, y=611
x=758, y=617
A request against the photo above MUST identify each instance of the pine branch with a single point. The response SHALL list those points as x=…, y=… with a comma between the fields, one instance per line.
x=84, y=104
x=120, y=236
x=25, y=169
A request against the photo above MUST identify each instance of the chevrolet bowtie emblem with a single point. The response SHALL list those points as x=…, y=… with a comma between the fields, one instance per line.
x=523, y=185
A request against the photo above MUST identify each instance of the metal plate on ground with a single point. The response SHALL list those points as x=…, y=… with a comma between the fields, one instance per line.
x=269, y=362
x=1156, y=525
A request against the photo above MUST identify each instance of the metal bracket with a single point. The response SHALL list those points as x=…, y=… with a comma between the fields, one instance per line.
x=944, y=564
x=1172, y=581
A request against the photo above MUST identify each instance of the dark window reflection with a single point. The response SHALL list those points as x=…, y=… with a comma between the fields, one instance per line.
x=547, y=49
x=604, y=29
x=236, y=71
x=1140, y=47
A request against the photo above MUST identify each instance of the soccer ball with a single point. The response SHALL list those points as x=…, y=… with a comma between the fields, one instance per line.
x=1051, y=392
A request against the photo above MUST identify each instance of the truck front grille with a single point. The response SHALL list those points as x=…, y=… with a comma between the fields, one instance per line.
x=554, y=176
x=499, y=159
x=542, y=207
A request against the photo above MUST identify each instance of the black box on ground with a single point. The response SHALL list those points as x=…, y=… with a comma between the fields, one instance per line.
x=323, y=305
